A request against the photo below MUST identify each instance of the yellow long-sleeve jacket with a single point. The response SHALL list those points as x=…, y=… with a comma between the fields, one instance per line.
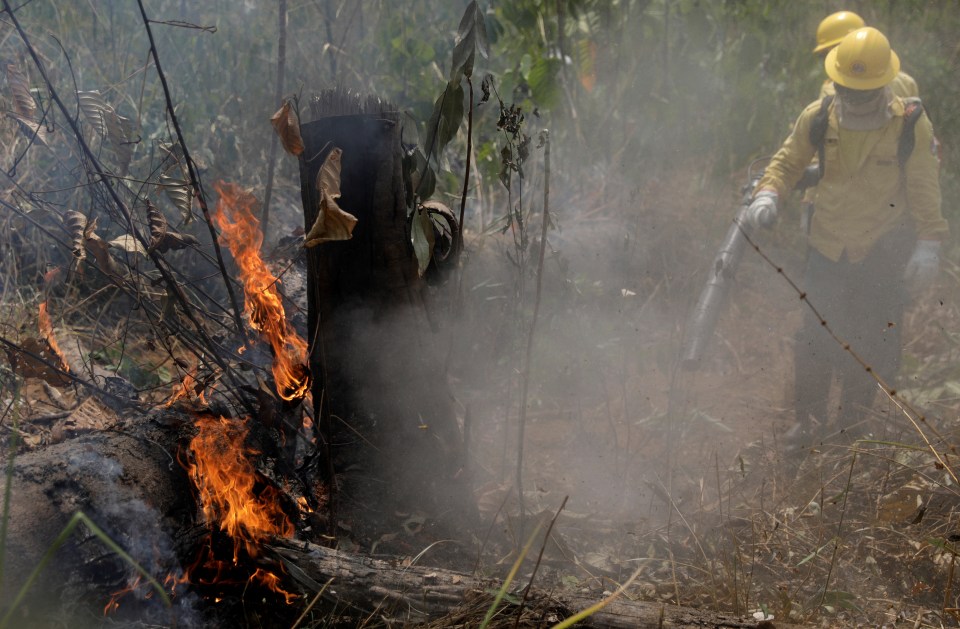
x=902, y=85
x=863, y=193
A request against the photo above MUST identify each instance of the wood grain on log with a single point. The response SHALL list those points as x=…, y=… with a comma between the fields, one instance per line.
x=417, y=594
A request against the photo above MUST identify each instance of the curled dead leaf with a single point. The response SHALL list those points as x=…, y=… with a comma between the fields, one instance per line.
x=23, y=103
x=116, y=130
x=32, y=129
x=175, y=240
x=101, y=253
x=157, y=223
x=287, y=126
x=328, y=177
x=127, y=243
x=178, y=191
x=76, y=224
x=35, y=359
x=332, y=223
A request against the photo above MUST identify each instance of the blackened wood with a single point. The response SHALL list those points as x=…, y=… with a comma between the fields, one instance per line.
x=373, y=353
x=128, y=482
x=419, y=594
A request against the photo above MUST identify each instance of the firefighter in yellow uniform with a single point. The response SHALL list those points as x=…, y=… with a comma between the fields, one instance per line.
x=830, y=32
x=875, y=232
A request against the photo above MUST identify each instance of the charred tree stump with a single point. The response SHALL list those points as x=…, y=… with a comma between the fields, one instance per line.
x=372, y=351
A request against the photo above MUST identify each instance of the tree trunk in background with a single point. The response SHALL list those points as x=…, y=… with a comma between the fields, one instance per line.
x=372, y=349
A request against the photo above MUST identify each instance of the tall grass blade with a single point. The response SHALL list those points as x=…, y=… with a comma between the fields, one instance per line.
x=506, y=582
x=593, y=609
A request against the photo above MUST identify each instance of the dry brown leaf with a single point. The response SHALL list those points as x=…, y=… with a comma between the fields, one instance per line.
x=328, y=178
x=31, y=129
x=332, y=222
x=126, y=243
x=175, y=240
x=91, y=415
x=23, y=102
x=178, y=191
x=101, y=253
x=76, y=224
x=157, y=223
x=287, y=126
x=88, y=231
x=36, y=359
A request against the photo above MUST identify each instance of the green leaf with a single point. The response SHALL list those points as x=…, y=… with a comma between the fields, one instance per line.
x=419, y=177
x=471, y=37
x=544, y=85
x=526, y=62
x=845, y=600
x=444, y=121
x=943, y=545
x=421, y=235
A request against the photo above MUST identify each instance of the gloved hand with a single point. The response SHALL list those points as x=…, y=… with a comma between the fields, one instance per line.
x=924, y=264
x=762, y=211
x=810, y=178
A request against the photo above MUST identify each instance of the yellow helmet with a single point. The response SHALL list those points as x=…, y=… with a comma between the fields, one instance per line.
x=862, y=60
x=834, y=27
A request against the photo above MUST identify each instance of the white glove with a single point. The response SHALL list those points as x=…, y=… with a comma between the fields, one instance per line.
x=924, y=264
x=762, y=211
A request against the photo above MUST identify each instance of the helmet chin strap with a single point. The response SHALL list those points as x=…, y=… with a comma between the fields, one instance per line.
x=863, y=110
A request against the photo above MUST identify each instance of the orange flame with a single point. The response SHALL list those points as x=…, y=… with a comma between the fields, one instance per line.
x=46, y=331
x=184, y=390
x=114, y=602
x=261, y=299
x=173, y=581
x=272, y=582
x=225, y=479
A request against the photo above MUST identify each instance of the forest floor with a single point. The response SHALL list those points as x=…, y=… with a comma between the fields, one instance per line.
x=679, y=476
x=685, y=476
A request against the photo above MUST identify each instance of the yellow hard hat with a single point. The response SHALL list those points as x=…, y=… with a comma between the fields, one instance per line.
x=862, y=60
x=834, y=27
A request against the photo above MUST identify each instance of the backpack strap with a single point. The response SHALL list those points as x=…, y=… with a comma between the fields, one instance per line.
x=912, y=110
x=818, y=130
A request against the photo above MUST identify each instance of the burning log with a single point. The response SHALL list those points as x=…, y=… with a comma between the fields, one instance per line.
x=140, y=483
x=411, y=595
x=134, y=482
x=128, y=483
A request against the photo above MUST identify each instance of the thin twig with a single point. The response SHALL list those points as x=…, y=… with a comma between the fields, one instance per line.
x=536, y=566
x=836, y=539
x=915, y=416
x=314, y=601
x=192, y=172
x=103, y=178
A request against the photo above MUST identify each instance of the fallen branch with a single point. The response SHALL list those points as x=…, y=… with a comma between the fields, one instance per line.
x=417, y=594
